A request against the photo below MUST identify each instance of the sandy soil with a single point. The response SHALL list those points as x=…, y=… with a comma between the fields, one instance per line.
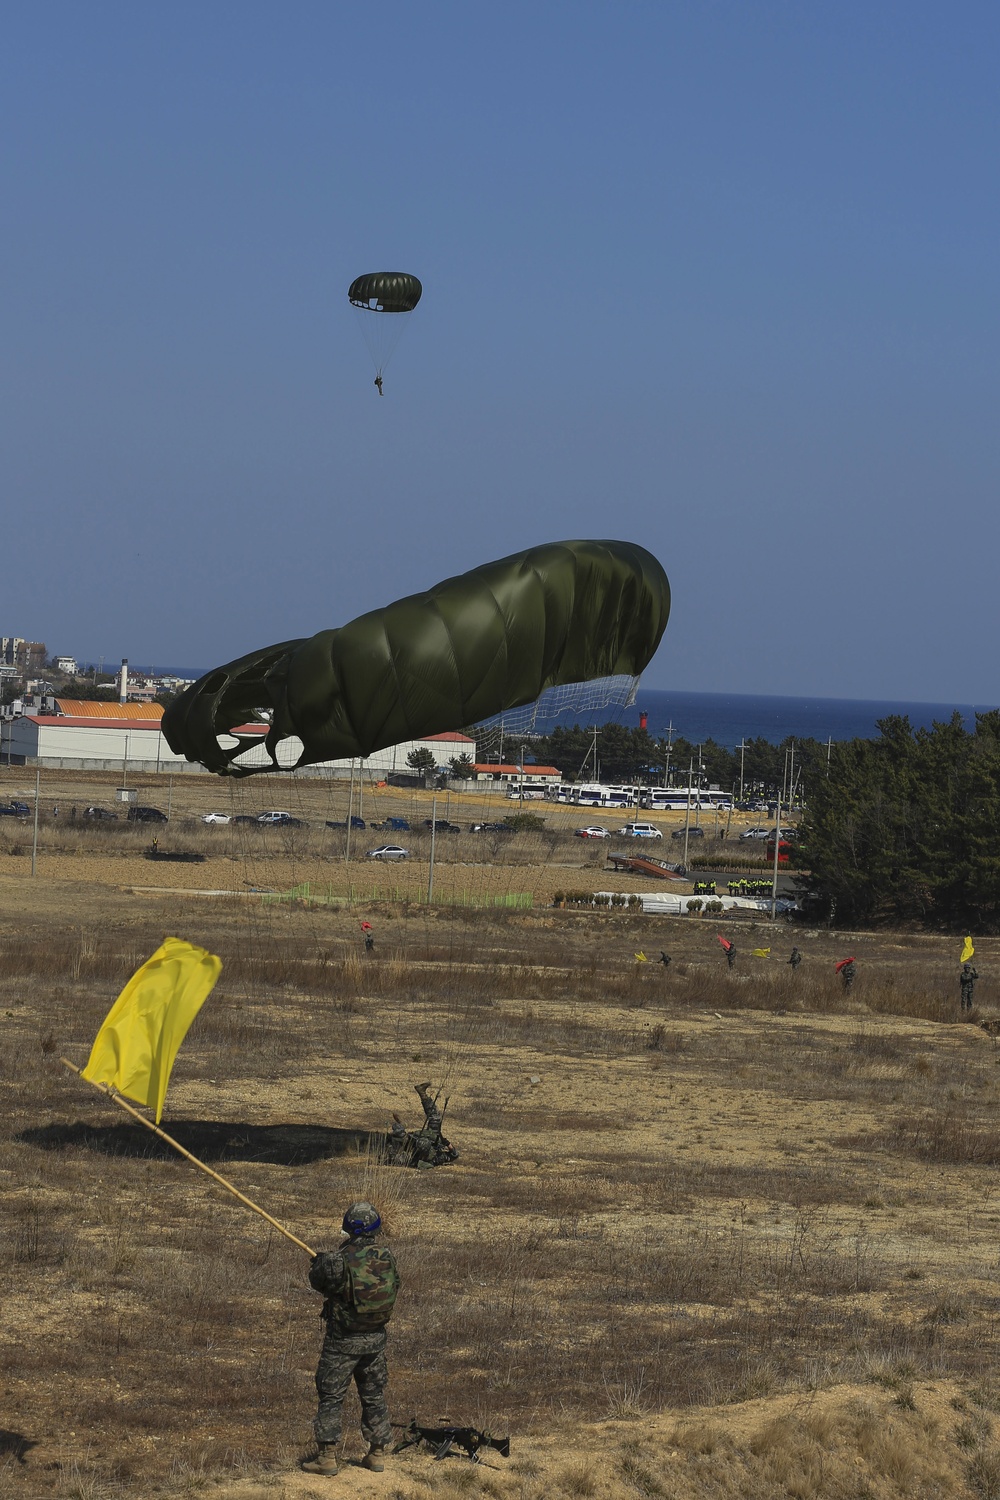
x=710, y=1234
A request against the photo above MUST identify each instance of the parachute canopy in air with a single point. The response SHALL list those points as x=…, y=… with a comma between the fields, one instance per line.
x=381, y=299
x=469, y=648
x=385, y=292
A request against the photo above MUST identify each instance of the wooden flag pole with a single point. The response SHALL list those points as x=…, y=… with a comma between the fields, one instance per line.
x=116, y=1098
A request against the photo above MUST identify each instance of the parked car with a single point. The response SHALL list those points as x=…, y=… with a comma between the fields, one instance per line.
x=642, y=831
x=279, y=820
x=146, y=815
x=99, y=814
x=694, y=832
x=15, y=810
x=490, y=828
x=756, y=833
x=389, y=851
x=245, y=818
x=592, y=832
x=442, y=826
x=342, y=822
x=215, y=818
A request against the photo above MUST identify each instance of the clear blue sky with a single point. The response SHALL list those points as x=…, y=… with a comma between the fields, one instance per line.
x=716, y=277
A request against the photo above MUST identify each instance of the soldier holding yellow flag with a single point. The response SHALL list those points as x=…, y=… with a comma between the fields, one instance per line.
x=967, y=975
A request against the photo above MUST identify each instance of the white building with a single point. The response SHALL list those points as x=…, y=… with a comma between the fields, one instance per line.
x=514, y=775
x=84, y=736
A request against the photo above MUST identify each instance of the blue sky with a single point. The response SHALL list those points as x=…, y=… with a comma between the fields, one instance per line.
x=719, y=278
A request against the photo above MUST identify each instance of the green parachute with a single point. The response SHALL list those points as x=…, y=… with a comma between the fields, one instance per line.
x=489, y=640
x=382, y=299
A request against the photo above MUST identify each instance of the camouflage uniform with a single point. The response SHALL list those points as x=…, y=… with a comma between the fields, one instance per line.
x=426, y=1147
x=346, y=1354
x=967, y=978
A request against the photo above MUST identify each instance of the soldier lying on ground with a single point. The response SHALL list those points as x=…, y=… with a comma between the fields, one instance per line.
x=427, y=1147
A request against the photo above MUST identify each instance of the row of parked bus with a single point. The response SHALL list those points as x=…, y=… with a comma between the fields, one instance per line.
x=655, y=798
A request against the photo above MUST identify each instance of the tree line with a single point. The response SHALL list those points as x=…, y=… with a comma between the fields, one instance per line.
x=905, y=828
x=635, y=756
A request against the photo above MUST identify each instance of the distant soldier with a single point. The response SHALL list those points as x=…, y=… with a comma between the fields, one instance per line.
x=967, y=979
x=360, y=1283
x=378, y=383
x=730, y=950
x=369, y=936
x=665, y=959
x=848, y=973
x=795, y=959
x=427, y=1147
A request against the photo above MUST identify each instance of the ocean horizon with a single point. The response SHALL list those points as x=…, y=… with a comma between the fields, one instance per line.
x=727, y=718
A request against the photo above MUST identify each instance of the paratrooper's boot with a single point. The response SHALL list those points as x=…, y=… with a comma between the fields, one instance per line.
x=374, y=1459
x=325, y=1461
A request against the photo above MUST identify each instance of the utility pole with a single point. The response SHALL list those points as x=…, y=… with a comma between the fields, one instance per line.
x=430, y=873
x=741, y=747
x=791, y=775
x=697, y=811
x=687, y=815
x=350, y=813
x=777, y=847
x=670, y=739
x=34, y=837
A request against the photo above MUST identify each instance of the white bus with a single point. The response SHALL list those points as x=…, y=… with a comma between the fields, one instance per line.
x=679, y=798
x=596, y=794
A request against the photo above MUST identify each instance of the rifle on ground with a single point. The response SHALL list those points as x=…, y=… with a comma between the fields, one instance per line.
x=445, y=1437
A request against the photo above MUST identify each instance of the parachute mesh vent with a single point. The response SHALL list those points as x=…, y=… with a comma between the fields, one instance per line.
x=561, y=707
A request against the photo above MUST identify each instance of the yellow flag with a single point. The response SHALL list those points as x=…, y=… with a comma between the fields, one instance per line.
x=761, y=953
x=136, y=1046
x=641, y=958
x=967, y=951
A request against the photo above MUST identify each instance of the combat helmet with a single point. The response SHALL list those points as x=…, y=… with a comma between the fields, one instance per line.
x=361, y=1218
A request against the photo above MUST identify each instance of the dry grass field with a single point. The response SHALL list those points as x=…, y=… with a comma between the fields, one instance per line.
x=712, y=1234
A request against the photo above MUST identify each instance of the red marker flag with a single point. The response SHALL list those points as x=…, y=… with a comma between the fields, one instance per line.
x=724, y=941
x=843, y=963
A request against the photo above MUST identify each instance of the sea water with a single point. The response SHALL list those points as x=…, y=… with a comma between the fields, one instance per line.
x=728, y=718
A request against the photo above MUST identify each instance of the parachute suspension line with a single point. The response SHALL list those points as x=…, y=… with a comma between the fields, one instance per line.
x=383, y=302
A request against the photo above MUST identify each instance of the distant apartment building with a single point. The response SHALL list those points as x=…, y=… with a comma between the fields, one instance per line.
x=25, y=656
x=66, y=664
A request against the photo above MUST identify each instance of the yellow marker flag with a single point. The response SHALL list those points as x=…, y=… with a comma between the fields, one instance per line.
x=142, y=1032
x=761, y=953
x=967, y=951
x=641, y=958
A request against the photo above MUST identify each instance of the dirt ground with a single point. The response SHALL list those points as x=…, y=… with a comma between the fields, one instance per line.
x=711, y=1233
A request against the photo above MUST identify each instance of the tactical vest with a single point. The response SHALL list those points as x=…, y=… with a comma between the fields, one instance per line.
x=365, y=1302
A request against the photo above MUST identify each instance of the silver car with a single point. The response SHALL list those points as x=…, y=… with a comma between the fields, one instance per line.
x=389, y=851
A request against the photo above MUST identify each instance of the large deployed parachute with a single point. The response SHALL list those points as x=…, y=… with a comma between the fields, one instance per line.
x=464, y=651
x=382, y=298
